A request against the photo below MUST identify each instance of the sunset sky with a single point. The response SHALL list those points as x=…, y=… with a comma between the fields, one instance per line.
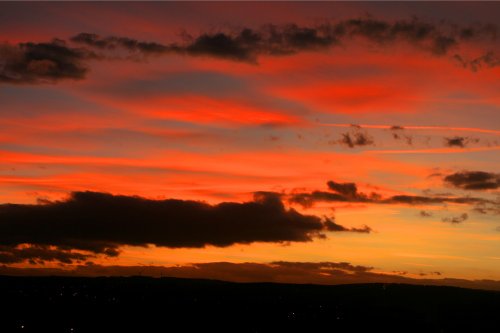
x=285, y=141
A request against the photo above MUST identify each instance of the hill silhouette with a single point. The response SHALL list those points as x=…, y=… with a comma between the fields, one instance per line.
x=144, y=304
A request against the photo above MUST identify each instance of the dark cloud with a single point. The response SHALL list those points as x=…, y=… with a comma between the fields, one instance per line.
x=113, y=43
x=474, y=180
x=247, y=44
x=345, y=266
x=347, y=192
x=397, y=134
x=352, y=140
x=99, y=223
x=347, y=189
x=53, y=61
x=397, y=128
x=41, y=62
x=332, y=226
x=308, y=199
x=456, y=219
x=278, y=271
x=327, y=273
x=424, y=213
x=459, y=141
x=419, y=33
x=487, y=60
x=241, y=47
x=39, y=254
x=492, y=208
x=430, y=273
x=407, y=138
x=426, y=200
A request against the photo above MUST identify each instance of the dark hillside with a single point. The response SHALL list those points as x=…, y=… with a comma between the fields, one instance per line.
x=72, y=304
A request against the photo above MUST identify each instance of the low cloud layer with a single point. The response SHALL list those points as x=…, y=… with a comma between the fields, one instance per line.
x=247, y=44
x=99, y=223
x=34, y=63
x=39, y=254
x=327, y=273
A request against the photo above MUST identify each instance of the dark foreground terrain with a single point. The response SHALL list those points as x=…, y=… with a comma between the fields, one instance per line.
x=65, y=304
